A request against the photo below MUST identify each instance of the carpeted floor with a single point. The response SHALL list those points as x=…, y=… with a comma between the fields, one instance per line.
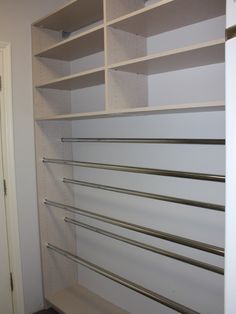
x=49, y=311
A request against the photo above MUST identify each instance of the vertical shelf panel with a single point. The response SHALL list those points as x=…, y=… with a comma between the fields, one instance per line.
x=58, y=274
x=126, y=90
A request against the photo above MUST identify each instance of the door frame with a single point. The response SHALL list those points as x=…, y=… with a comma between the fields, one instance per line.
x=9, y=175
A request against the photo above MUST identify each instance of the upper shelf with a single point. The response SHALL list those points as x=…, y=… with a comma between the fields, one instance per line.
x=84, y=44
x=164, y=109
x=167, y=15
x=181, y=58
x=76, y=81
x=73, y=16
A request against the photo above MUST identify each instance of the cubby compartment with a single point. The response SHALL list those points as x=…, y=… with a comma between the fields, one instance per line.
x=62, y=95
x=71, y=18
x=124, y=46
x=188, y=77
x=166, y=26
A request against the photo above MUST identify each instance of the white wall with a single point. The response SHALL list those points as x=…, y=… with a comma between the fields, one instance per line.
x=231, y=12
x=16, y=17
x=230, y=273
x=193, y=287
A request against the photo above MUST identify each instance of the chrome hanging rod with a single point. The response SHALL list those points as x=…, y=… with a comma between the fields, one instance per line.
x=151, y=171
x=146, y=140
x=147, y=247
x=129, y=284
x=159, y=197
x=144, y=230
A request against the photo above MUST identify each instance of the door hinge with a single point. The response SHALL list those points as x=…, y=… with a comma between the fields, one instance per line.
x=5, y=187
x=11, y=282
x=0, y=83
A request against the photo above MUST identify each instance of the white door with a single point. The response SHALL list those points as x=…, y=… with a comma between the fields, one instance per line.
x=5, y=287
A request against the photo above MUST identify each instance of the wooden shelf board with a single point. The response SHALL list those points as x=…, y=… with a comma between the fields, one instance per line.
x=76, y=81
x=79, y=46
x=181, y=58
x=208, y=106
x=71, y=17
x=168, y=15
x=79, y=300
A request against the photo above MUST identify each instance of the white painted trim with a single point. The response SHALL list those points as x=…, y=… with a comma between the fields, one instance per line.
x=9, y=173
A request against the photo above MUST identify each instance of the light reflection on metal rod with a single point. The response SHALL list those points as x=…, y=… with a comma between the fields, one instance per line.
x=147, y=247
x=146, y=140
x=159, y=197
x=142, y=170
x=144, y=230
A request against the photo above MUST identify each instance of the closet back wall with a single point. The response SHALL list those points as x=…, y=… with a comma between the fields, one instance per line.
x=15, y=20
x=191, y=286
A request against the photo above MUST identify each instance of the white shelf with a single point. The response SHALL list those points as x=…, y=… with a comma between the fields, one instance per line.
x=168, y=15
x=76, y=81
x=208, y=106
x=187, y=57
x=73, y=16
x=79, y=300
x=120, y=87
x=84, y=44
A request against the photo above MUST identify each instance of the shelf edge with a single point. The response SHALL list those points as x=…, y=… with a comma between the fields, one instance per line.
x=206, y=44
x=209, y=106
x=71, y=77
x=63, y=42
x=137, y=12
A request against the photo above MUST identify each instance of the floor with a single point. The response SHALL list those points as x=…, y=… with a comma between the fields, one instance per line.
x=49, y=311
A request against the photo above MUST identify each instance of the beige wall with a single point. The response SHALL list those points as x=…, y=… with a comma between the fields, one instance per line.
x=16, y=17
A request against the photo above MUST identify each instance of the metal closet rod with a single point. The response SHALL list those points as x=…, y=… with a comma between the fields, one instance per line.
x=137, y=228
x=127, y=283
x=147, y=247
x=151, y=171
x=159, y=197
x=146, y=140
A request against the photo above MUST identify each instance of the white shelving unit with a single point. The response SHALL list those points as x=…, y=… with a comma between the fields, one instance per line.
x=129, y=68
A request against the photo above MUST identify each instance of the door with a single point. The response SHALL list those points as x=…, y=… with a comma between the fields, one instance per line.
x=5, y=287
